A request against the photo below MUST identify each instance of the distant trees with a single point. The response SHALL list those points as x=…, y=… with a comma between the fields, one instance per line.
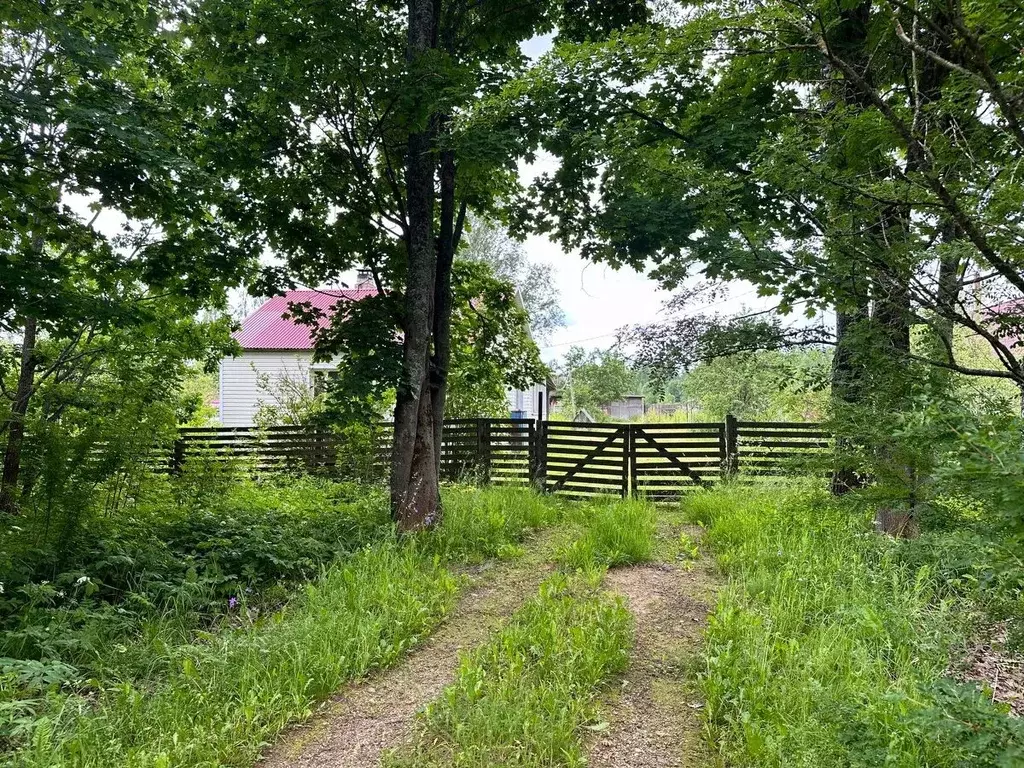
x=590, y=379
x=487, y=242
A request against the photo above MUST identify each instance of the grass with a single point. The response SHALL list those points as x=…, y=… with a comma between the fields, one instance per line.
x=611, y=533
x=229, y=695
x=826, y=649
x=526, y=697
x=216, y=696
x=480, y=523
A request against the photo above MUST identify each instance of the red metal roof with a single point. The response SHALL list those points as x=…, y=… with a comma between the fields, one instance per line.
x=266, y=328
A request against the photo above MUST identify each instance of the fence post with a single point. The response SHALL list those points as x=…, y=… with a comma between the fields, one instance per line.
x=732, y=451
x=627, y=455
x=483, y=448
x=541, y=451
x=634, y=474
x=177, y=456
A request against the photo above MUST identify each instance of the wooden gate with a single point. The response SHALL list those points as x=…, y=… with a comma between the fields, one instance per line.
x=584, y=460
x=667, y=460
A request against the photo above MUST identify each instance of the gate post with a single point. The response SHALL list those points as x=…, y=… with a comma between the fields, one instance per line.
x=483, y=434
x=627, y=457
x=731, y=457
x=538, y=454
x=178, y=455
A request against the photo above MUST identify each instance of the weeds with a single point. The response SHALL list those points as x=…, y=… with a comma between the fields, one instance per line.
x=525, y=697
x=612, y=533
x=826, y=650
x=479, y=523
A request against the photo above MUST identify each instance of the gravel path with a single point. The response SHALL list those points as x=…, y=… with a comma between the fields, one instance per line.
x=654, y=717
x=370, y=716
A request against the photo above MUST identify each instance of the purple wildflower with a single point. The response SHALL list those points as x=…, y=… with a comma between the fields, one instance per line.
x=232, y=603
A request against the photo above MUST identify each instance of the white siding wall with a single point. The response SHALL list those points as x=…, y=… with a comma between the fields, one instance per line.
x=240, y=397
x=526, y=400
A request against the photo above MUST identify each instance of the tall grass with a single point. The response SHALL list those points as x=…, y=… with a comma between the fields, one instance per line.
x=228, y=696
x=216, y=698
x=524, y=698
x=611, y=533
x=825, y=651
x=489, y=522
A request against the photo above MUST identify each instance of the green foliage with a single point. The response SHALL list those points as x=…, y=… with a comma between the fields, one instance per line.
x=766, y=386
x=827, y=648
x=524, y=698
x=489, y=522
x=612, y=533
x=194, y=594
x=189, y=545
x=486, y=241
x=591, y=379
x=491, y=349
x=224, y=698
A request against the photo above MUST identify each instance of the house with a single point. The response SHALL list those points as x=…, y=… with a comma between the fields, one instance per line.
x=277, y=354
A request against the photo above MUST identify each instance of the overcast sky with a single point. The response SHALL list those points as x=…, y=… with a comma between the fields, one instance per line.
x=599, y=300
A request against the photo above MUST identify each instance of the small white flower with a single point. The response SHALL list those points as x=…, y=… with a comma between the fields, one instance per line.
x=81, y=580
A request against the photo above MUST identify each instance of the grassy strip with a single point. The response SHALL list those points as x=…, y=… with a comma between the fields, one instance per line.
x=219, y=699
x=524, y=698
x=611, y=533
x=480, y=523
x=227, y=698
x=827, y=650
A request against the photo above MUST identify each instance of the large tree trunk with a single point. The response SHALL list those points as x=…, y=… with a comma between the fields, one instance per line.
x=446, y=243
x=415, y=494
x=15, y=423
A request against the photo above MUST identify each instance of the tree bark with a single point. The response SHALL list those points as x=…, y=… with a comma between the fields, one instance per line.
x=15, y=423
x=415, y=493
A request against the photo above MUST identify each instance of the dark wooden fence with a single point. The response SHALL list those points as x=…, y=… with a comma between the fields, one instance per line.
x=658, y=461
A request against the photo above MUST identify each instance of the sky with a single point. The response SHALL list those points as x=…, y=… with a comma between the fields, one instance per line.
x=597, y=299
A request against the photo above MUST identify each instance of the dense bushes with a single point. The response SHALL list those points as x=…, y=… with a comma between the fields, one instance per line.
x=99, y=597
x=830, y=645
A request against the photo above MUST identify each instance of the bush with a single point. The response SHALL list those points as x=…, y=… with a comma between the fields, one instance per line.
x=66, y=598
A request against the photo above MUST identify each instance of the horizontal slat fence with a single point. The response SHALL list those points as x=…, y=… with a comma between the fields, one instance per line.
x=779, y=448
x=658, y=461
x=584, y=460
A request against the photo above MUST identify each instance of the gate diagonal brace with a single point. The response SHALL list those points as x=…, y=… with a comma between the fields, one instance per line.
x=684, y=468
x=588, y=458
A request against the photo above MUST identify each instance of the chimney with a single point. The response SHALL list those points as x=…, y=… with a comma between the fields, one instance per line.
x=364, y=280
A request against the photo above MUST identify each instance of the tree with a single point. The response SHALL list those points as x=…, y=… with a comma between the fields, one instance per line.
x=590, y=379
x=90, y=120
x=766, y=386
x=486, y=242
x=348, y=129
x=831, y=154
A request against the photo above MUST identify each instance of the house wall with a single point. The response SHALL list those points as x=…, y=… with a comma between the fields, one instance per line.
x=240, y=395
x=525, y=400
